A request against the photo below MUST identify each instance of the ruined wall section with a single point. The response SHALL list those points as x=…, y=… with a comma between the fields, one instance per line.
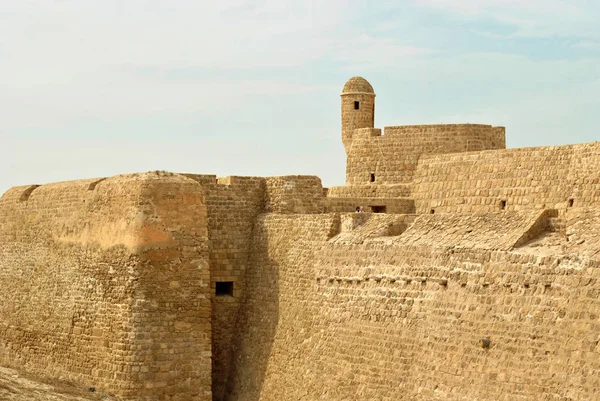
x=392, y=158
x=380, y=320
x=108, y=285
x=233, y=205
x=556, y=177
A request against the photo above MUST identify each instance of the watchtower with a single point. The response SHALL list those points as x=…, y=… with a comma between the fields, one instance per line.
x=358, y=108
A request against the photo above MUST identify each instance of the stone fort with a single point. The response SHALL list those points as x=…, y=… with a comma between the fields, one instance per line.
x=473, y=272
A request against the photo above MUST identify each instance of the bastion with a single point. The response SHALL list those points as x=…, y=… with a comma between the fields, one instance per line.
x=471, y=271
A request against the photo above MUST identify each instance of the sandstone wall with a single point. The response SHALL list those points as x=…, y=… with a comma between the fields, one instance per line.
x=294, y=194
x=371, y=191
x=329, y=317
x=233, y=204
x=525, y=178
x=107, y=285
x=276, y=278
x=392, y=158
x=377, y=205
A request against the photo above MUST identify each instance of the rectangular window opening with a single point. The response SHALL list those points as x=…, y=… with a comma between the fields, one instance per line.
x=571, y=202
x=372, y=177
x=224, y=288
x=356, y=105
x=502, y=204
x=378, y=209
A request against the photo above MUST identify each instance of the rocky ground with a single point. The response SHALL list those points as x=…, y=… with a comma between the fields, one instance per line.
x=17, y=386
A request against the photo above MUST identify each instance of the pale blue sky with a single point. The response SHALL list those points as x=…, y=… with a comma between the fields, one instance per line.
x=97, y=88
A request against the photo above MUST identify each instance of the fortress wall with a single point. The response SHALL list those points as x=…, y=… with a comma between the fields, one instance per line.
x=393, y=157
x=525, y=178
x=372, y=321
x=294, y=194
x=276, y=279
x=390, y=205
x=108, y=285
x=371, y=191
x=233, y=205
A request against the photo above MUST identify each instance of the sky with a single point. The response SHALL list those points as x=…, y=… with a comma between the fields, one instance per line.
x=98, y=88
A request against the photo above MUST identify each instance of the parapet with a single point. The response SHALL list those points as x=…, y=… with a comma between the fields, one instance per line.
x=281, y=195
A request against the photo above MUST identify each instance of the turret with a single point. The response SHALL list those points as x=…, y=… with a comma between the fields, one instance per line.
x=358, y=108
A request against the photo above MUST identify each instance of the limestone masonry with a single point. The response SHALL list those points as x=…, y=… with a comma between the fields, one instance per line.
x=473, y=273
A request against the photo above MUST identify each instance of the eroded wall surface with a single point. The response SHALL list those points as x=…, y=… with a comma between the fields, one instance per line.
x=116, y=283
x=107, y=285
x=395, y=315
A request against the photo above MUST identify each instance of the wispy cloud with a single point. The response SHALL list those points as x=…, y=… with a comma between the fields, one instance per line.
x=376, y=53
x=62, y=59
x=533, y=18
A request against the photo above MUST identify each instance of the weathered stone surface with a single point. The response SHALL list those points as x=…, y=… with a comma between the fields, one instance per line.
x=89, y=300
x=467, y=275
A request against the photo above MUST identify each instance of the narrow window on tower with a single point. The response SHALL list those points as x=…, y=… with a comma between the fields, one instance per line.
x=356, y=105
x=372, y=177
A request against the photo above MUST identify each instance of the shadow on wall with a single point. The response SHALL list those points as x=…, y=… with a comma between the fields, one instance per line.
x=257, y=323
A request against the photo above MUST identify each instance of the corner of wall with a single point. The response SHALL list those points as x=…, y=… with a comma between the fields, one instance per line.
x=137, y=248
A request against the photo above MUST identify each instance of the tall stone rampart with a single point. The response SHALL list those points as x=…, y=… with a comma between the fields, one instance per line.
x=384, y=318
x=107, y=285
x=280, y=246
x=513, y=179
